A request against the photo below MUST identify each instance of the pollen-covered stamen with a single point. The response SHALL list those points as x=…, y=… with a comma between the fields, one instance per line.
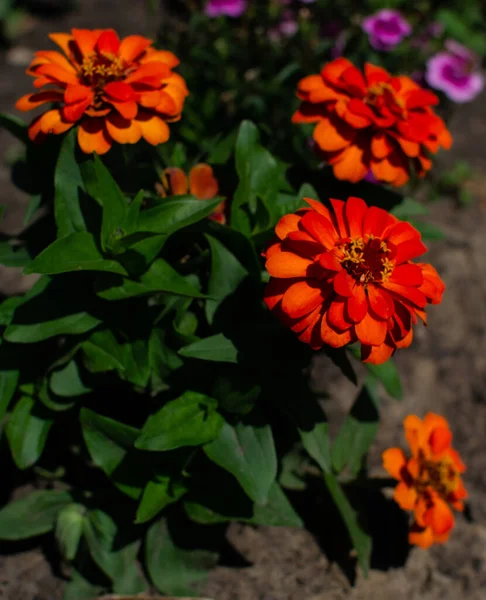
x=442, y=476
x=100, y=68
x=367, y=261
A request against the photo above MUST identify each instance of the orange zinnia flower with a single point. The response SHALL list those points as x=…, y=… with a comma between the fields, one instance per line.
x=345, y=275
x=115, y=90
x=430, y=481
x=371, y=121
x=202, y=184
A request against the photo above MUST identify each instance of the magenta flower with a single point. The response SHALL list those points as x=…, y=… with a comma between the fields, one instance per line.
x=228, y=8
x=386, y=29
x=455, y=72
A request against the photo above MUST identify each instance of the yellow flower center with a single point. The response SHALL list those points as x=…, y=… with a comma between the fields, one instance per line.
x=367, y=261
x=98, y=69
x=440, y=475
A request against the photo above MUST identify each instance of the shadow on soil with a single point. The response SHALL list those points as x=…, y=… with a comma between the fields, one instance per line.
x=381, y=518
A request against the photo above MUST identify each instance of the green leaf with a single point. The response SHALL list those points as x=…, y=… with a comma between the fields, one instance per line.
x=32, y=515
x=26, y=433
x=75, y=252
x=69, y=528
x=135, y=361
x=357, y=433
x=172, y=214
x=409, y=207
x=227, y=273
x=8, y=384
x=388, y=375
x=69, y=187
x=120, y=565
x=190, y=420
x=160, y=277
x=428, y=231
x=162, y=359
x=313, y=428
x=102, y=352
x=276, y=512
x=222, y=150
x=101, y=186
x=32, y=207
x=248, y=453
x=171, y=569
x=74, y=324
x=15, y=126
x=109, y=442
x=67, y=382
x=258, y=174
x=13, y=256
x=361, y=541
x=157, y=495
x=215, y=348
x=79, y=588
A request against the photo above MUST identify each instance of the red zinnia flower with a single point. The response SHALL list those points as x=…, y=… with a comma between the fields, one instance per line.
x=345, y=275
x=115, y=90
x=371, y=121
x=202, y=184
x=430, y=481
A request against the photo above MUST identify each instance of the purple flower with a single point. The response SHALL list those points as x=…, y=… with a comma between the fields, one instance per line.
x=455, y=72
x=229, y=8
x=386, y=29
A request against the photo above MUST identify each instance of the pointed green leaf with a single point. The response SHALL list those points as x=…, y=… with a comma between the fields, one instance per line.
x=357, y=432
x=216, y=348
x=190, y=420
x=109, y=442
x=67, y=382
x=172, y=214
x=26, y=433
x=32, y=515
x=157, y=495
x=101, y=186
x=75, y=252
x=171, y=569
x=248, y=453
x=69, y=187
x=226, y=275
x=160, y=277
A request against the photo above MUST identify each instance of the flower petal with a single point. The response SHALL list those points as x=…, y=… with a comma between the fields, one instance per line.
x=380, y=301
x=334, y=338
x=154, y=129
x=202, y=182
x=376, y=355
x=405, y=496
x=357, y=304
x=394, y=461
x=132, y=47
x=287, y=224
x=355, y=211
x=370, y=331
x=108, y=42
x=287, y=264
x=407, y=274
x=31, y=101
x=320, y=228
x=343, y=284
x=123, y=131
x=92, y=136
x=301, y=298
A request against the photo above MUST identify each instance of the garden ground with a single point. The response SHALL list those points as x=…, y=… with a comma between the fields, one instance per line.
x=444, y=370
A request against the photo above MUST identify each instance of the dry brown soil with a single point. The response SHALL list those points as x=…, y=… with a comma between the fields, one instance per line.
x=444, y=371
